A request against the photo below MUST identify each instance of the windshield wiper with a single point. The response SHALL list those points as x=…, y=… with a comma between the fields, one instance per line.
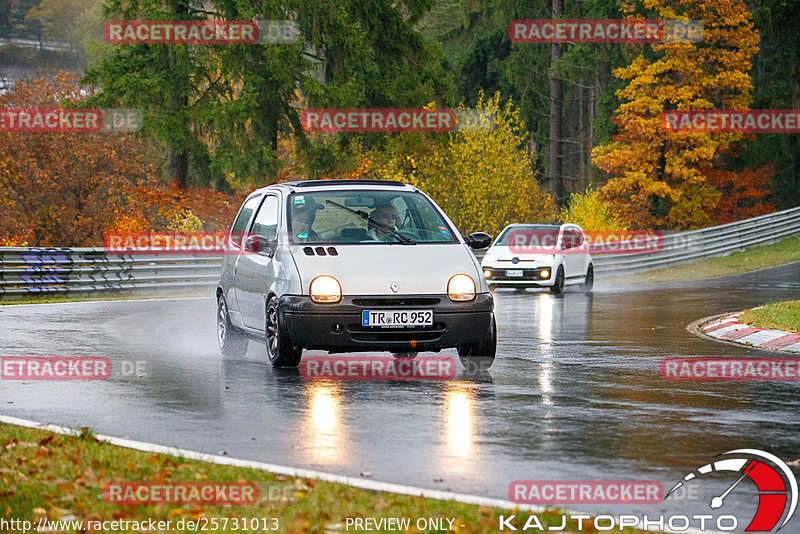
x=385, y=227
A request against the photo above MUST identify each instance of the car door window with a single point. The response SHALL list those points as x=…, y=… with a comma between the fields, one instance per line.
x=240, y=224
x=571, y=239
x=266, y=222
x=565, y=240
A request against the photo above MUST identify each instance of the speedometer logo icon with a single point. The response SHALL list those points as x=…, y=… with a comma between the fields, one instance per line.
x=777, y=486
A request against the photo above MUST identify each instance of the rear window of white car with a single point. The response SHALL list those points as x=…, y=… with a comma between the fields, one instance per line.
x=342, y=217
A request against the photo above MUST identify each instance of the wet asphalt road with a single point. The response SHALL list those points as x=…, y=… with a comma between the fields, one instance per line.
x=574, y=394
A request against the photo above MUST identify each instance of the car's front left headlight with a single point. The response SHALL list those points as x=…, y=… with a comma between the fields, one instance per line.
x=461, y=288
x=325, y=289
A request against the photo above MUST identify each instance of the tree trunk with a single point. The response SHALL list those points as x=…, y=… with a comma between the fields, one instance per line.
x=601, y=81
x=178, y=169
x=178, y=100
x=592, y=99
x=556, y=103
x=581, y=142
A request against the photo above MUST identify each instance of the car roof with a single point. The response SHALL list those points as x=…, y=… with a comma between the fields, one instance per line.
x=543, y=226
x=319, y=185
x=540, y=225
x=340, y=182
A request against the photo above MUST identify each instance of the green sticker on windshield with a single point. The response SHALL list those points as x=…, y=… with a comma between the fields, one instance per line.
x=299, y=201
x=302, y=235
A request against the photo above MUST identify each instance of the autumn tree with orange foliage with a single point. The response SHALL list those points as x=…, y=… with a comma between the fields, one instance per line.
x=67, y=189
x=62, y=188
x=743, y=194
x=172, y=208
x=660, y=179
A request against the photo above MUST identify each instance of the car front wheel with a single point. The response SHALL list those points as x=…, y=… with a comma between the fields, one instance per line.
x=477, y=357
x=232, y=342
x=280, y=351
x=558, y=284
x=588, y=284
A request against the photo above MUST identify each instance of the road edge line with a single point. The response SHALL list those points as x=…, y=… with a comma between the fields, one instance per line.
x=101, y=301
x=374, y=485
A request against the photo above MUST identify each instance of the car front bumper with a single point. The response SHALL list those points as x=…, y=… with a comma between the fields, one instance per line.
x=531, y=276
x=338, y=328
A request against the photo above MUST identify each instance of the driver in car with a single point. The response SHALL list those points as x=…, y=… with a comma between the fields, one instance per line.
x=385, y=214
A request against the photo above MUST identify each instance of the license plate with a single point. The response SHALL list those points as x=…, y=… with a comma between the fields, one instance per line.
x=514, y=272
x=395, y=318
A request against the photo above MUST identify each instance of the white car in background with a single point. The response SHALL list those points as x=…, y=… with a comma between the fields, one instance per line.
x=539, y=255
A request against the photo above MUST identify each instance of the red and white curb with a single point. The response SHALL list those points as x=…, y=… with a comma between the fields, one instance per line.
x=728, y=328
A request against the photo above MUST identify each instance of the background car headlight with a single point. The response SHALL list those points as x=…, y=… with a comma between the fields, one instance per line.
x=325, y=289
x=461, y=288
x=488, y=258
x=545, y=258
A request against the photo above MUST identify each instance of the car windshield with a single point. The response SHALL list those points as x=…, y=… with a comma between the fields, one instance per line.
x=528, y=235
x=365, y=217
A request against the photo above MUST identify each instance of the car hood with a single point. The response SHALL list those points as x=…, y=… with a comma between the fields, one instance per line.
x=371, y=269
x=504, y=253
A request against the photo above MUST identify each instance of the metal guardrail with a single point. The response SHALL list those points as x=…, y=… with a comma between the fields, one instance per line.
x=30, y=271
x=681, y=247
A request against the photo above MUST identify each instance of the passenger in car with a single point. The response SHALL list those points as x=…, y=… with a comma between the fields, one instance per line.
x=302, y=220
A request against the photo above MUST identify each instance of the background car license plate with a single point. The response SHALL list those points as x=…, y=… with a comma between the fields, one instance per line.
x=514, y=272
x=397, y=318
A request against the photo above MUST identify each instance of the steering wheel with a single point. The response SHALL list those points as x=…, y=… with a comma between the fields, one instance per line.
x=411, y=234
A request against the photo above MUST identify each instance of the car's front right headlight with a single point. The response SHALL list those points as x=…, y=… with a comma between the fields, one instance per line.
x=325, y=289
x=461, y=288
x=488, y=258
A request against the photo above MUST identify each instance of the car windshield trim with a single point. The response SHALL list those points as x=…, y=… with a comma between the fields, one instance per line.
x=351, y=219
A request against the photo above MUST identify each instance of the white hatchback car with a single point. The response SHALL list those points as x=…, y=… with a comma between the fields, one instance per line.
x=352, y=265
x=539, y=255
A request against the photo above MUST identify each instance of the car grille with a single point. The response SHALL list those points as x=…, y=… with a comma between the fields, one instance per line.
x=367, y=334
x=396, y=301
x=527, y=274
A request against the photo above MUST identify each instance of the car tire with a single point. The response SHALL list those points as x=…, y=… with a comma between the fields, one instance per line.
x=478, y=357
x=232, y=341
x=588, y=283
x=280, y=351
x=558, y=284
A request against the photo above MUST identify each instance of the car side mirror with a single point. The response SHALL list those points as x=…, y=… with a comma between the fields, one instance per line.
x=258, y=244
x=479, y=240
